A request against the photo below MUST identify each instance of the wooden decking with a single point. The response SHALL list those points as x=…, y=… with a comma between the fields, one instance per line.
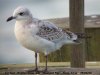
x=51, y=71
x=57, y=68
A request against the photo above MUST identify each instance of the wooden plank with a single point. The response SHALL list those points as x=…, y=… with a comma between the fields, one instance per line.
x=50, y=64
x=93, y=68
x=51, y=71
x=64, y=22
x=77, y=26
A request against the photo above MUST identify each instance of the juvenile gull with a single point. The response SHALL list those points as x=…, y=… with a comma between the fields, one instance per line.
x=38, y=35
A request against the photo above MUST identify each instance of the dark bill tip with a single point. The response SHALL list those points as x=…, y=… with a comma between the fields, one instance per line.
x=10, y=18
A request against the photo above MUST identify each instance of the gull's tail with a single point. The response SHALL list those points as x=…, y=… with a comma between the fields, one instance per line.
x=74, y=37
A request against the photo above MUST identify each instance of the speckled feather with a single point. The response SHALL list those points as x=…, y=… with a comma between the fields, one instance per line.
x=50, y=32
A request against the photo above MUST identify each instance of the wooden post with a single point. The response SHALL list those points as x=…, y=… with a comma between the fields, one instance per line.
x=77, y=26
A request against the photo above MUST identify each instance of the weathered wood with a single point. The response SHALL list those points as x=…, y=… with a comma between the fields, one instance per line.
x=93, y=44
x=51, y=71
x=77, y=26
x=89, y=22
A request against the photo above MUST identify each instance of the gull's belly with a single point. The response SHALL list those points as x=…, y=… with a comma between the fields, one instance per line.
x=34, y=42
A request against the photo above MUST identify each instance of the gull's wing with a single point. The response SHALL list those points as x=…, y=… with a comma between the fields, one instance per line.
x=50, y=32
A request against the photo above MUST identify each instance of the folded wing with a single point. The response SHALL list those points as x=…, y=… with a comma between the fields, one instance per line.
x=50, y=32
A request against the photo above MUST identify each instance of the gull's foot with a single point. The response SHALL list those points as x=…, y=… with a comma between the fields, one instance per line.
x=33, y=71
x=45, y=70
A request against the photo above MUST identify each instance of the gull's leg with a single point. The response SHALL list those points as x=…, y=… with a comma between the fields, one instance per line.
x=36, y=67
x=46, y=61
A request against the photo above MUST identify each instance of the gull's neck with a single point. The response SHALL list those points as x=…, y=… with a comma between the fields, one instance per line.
x=25, y=21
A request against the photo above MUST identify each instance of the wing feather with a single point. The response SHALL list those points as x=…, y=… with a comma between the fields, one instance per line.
x=49, y=31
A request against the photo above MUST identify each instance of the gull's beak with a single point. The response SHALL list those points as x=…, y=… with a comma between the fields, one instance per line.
x=10, y=18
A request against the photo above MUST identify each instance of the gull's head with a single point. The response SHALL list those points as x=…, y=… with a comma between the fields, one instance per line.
x=21, y=13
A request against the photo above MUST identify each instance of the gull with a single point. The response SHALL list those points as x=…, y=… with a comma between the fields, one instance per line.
x=39, y=35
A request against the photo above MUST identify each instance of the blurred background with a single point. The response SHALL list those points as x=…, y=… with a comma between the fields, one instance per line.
x=11, y=52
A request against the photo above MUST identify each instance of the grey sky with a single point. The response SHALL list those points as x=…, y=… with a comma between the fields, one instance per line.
x=10, y=50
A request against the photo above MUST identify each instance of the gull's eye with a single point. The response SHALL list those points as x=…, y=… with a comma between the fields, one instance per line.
x=21, y=13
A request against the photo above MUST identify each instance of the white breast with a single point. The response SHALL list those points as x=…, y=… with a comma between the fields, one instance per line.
x=28, y=39
x=23, y=35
